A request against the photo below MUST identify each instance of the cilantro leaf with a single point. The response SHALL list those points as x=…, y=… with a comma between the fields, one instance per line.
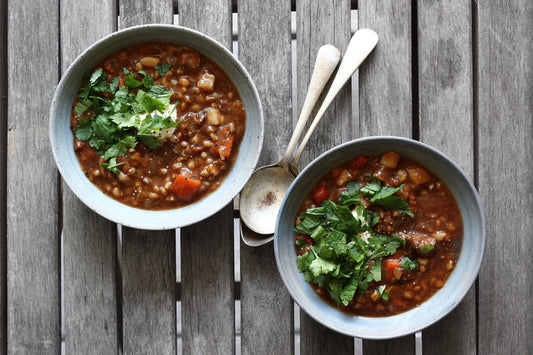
x=162, y=68
x=113, y=166
x=131, y=82
x=409, y=264
x=321, y=266
x=83, y=131
x=382, y=293
x=351, y=195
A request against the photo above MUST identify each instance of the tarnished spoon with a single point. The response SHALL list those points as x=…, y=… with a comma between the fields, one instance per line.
x=261, y=197
x=276, y=178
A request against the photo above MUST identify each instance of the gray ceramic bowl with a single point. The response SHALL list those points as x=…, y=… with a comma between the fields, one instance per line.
x=61, y=137
x=439, y=304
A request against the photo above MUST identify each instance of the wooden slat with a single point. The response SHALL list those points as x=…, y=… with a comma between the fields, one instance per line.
x=317, y=23
x=89, y=241
x=3, y=177
x=505, y=105
x=148, y=257
x=446, y=121
x=385, y=81
x=265, y=50
x=386, y=98
x=33, y=324
x=208, y=307
x=148, y=292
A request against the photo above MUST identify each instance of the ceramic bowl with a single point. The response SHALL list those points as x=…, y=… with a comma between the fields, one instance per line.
x=429, y=312
x=61, y=137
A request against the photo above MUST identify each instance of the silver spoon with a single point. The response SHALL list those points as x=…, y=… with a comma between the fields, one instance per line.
x=261, y=197
x=267, y=177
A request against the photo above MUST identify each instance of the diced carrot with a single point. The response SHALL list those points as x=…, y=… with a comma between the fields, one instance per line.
x=320, y=194
x=108, y=68
x=185, y=188
x=121, y=82
x=390, y=266
x=358, y=162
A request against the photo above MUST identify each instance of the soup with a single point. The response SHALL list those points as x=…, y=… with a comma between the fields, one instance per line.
x=378, y=235
x=157, y=125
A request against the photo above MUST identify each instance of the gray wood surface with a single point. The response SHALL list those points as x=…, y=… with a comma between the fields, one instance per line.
x=386, y=102
x=505, y=113
x=446, y=121
x=148, y=257
x=208, y=317
x=334, y=19
x=148, y=292
x=3, y=178
x=265, y=50
x=88, y=240
x=33, y=296
x=457, y=76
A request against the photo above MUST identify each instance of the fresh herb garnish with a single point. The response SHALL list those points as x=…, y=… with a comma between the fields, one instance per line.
x=122, y=115
x=162, y=68
x=409, y=264
x=347, y=252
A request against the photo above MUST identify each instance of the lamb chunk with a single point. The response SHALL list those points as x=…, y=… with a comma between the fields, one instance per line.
x=189, y=59
x=420, y=242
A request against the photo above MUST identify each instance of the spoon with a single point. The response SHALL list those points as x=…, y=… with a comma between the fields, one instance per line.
x=277, y=178
x=261, y=197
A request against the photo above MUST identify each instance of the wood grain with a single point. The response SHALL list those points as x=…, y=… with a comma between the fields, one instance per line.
x=208, y=302
x=446, y=122
x=148, y=257
x=33, y=324
x=265, y=50
x=148, y=292
x=335, y=128
x=3, y=177
x=505, y=173
x=88, y=240
x=386, y=97
x=386, y=78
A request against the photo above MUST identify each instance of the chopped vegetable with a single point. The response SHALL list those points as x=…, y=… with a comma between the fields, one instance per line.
x=185, y=188
x=226, y=142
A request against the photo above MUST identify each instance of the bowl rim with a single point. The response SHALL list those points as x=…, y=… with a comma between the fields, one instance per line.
x=159, y=219
x=359, y=324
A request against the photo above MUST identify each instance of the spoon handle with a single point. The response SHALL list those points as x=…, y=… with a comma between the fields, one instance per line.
x=360, y=46
x=327, y=59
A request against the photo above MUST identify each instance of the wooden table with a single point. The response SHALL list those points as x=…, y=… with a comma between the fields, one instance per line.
x=457, y=75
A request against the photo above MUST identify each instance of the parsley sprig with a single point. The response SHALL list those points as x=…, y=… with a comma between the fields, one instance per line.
x=122, y=113
x=347, y=252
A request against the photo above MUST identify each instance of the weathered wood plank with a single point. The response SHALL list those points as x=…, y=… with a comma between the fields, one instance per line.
x=148, y=257
x=148, y=292
x=208, y=302
x=446, y=121
x=33, y=323
x=386, y=98
x=207, y=297
x=89, y=241
x=317, y=23
x=385, y=79
x=3, y=177
x=505, y=105
x=265, y=50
